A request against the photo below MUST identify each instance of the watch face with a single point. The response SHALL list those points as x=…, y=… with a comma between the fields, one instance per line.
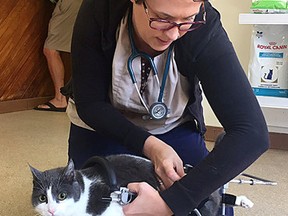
x=158, y=111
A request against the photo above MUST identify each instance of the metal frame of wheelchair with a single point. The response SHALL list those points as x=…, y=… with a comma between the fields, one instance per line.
x=249, y=179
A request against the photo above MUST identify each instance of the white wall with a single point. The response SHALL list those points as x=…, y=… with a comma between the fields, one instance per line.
x=240, y=35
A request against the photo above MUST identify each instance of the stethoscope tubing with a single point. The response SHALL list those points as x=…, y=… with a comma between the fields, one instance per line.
x=134, y=54
x=141, y=98
x=160, y=98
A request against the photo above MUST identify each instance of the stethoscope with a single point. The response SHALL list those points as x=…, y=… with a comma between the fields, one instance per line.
x=157, y=110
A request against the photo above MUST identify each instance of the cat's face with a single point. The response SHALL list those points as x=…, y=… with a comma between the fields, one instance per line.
x=55, y=191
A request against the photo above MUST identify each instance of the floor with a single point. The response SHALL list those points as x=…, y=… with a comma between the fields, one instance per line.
x=40, y=139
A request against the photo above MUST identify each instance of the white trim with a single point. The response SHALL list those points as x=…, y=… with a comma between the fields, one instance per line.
x=274, y=19
x=273, y=102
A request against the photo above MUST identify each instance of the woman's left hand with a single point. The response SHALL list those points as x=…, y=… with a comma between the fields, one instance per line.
x=167, y=164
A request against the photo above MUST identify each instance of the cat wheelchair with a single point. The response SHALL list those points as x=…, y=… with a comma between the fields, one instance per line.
x=230, y=200
x=221, y=203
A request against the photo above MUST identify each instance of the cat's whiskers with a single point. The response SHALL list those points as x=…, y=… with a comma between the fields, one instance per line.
x=40, y=186
x=61, y=178
x=59, y=182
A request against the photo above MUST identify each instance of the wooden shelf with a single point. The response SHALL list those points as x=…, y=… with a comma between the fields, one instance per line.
x=271, y=19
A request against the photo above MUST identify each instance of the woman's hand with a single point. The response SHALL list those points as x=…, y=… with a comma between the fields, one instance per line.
x=168, y=165
x=147, y=203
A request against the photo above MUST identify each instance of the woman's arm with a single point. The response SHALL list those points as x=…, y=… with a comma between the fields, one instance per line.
x=231, y=97
x=92, y=78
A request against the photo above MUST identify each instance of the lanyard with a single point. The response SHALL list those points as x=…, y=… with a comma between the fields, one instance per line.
x=157, y=110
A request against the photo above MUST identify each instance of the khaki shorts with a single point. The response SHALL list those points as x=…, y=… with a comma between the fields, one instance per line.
x=61, y=25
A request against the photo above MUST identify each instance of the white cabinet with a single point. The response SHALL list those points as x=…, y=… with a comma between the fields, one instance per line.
x=275, y=109
x=246, y=18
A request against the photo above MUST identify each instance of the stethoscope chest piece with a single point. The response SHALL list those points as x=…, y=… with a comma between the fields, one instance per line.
x=158, y=111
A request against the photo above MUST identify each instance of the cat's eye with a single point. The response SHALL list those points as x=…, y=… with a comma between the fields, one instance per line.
x=62, y=196
x=42, y=198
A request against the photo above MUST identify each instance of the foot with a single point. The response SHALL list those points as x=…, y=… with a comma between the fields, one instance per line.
x=55, y=102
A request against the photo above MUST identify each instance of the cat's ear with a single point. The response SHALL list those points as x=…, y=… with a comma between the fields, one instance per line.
x=70, y=170
x=36, y=173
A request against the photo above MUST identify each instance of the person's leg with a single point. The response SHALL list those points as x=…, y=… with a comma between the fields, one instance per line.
x=187, y=142
x=57, y=72
x=84, y=144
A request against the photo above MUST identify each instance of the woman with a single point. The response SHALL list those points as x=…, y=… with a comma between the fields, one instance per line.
x=120, y=106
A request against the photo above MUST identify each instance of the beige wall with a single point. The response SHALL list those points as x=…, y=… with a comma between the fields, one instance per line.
x=240, y=36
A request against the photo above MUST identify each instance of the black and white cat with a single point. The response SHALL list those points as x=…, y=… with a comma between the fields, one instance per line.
x=69, y=192
x=65, y=191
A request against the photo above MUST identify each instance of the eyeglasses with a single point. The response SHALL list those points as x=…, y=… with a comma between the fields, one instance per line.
x=162, y=24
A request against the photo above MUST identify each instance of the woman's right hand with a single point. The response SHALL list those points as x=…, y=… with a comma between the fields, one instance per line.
x=147, y=203
x=168, y=165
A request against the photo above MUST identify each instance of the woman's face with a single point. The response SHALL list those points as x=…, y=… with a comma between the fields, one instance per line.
x=150, y=40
